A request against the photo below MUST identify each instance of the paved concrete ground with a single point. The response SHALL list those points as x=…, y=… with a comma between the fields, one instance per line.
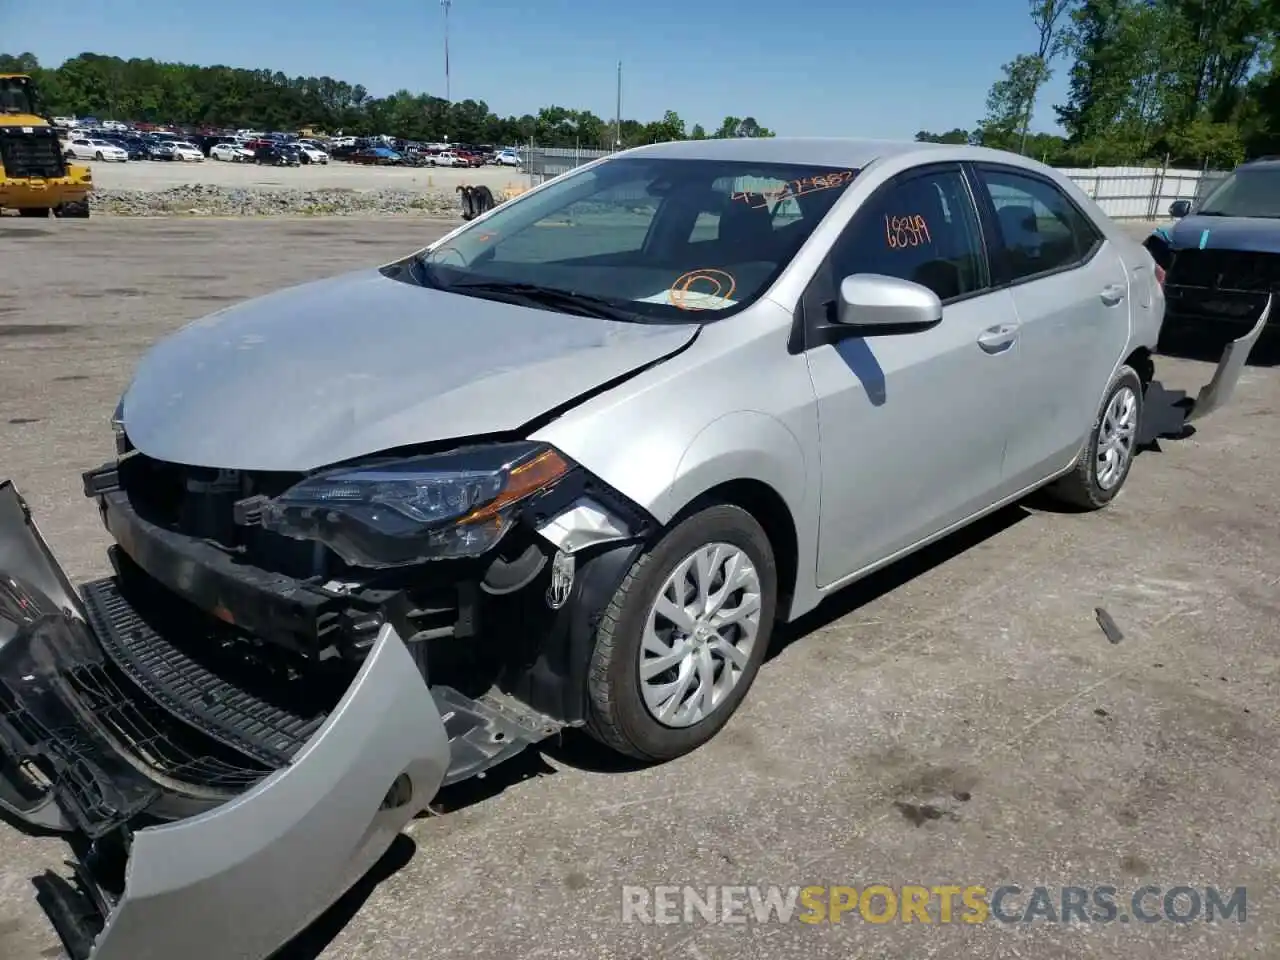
x=958, y=719
x=158, y=174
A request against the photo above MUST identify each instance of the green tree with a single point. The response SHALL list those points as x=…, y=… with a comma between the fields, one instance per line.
x=955, y=135
x=1183, y=80
x=1012, y=100
x=218, y=97
x=670, y=127
x=741, y=127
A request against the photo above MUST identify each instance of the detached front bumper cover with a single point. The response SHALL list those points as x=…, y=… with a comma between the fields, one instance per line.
x=241, y=878
x=1219, y=390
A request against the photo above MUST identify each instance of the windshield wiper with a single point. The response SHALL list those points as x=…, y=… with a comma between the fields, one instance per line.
x=533, y=294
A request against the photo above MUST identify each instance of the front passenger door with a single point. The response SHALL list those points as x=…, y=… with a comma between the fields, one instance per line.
x=912, y=426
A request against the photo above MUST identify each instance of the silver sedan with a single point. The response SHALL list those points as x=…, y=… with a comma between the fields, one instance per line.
x=570, y=466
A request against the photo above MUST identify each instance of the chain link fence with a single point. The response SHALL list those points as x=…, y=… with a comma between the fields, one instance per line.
x=1123, y=193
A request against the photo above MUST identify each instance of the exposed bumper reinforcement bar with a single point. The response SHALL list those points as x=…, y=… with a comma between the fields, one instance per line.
x=238, y=877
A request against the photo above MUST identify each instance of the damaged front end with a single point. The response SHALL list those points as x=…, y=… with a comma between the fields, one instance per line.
x=228, y=740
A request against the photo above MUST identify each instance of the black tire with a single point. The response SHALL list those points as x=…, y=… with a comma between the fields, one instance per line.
x=42, y=212
x=74, y=211
x=1080, y=487
x=98, y=155
x=618, y=716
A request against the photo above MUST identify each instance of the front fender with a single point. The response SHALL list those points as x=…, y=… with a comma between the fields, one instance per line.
x=746, y=445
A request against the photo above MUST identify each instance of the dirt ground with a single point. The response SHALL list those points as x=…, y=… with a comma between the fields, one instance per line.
x=957, y=719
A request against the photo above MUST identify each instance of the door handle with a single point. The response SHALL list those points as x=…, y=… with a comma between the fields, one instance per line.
x=999, y=338
x=1113, y=294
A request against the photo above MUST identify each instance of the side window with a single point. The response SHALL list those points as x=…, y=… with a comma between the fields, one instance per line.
x=924, y=229
x=706, y=226
x=1041, y=228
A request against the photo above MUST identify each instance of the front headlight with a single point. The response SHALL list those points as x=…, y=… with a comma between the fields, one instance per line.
x=456, y=504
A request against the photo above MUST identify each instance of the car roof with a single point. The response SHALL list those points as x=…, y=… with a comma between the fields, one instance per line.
x=828, y=151
x=1269, y=163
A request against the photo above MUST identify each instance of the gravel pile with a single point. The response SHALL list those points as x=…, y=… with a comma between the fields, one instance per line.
x=206, y=200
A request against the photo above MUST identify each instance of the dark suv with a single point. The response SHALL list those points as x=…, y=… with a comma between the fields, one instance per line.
x=1222, y=256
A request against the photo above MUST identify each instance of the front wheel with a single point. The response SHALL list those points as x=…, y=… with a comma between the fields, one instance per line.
x=98, y=155
x=1104, y=463
x=684, y=636
x=76, y=210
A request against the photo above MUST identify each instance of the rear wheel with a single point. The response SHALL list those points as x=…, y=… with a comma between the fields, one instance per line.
x=1104, y=464
x=98, y=155
x=684, y=636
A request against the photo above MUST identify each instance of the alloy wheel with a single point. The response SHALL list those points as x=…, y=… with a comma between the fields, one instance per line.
x=699, y=634
x=1117, y=434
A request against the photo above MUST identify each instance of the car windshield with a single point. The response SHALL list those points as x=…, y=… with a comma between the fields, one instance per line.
x=184, y=146
x=1248, y=192
x=658, y=238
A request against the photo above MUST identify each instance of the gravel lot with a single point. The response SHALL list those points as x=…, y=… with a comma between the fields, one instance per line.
x=959, y=718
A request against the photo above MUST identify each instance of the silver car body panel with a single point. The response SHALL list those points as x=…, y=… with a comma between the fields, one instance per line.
x=360, y=363
x=241, y=879
x=585, y=524
x=297, y=840
x=1220, y=389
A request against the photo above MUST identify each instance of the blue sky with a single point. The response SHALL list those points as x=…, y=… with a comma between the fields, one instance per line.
x=875, y=68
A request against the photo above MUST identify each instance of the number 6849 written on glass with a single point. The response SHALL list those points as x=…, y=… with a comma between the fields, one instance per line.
x=906, y=231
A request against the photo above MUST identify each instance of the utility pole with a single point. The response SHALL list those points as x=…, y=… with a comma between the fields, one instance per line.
x=445, y=5
x=617, y=117
x=448, y=93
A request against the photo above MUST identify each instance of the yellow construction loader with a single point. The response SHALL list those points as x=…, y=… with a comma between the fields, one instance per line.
x=35, y=178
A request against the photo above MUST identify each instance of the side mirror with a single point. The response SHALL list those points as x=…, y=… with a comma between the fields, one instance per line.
x=873, y=304
x=1179, y=209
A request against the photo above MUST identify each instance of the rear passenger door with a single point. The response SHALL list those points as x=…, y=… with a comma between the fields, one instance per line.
x=1070, y=289
x=912, y=426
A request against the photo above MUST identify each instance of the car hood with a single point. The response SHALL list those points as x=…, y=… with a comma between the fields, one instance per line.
x=362, y=363
x=1256, y=234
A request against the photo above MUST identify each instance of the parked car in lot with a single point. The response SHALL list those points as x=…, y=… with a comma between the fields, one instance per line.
x=156, y=149
x=378, y=533
x=377, y=156
x=178, y=150
x=507, y=158
x=93, y=148
x=277, y=155
x=311, y=154
x=230, y=152
x=449, y=158
x=133, y=146
x=1221, y=258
